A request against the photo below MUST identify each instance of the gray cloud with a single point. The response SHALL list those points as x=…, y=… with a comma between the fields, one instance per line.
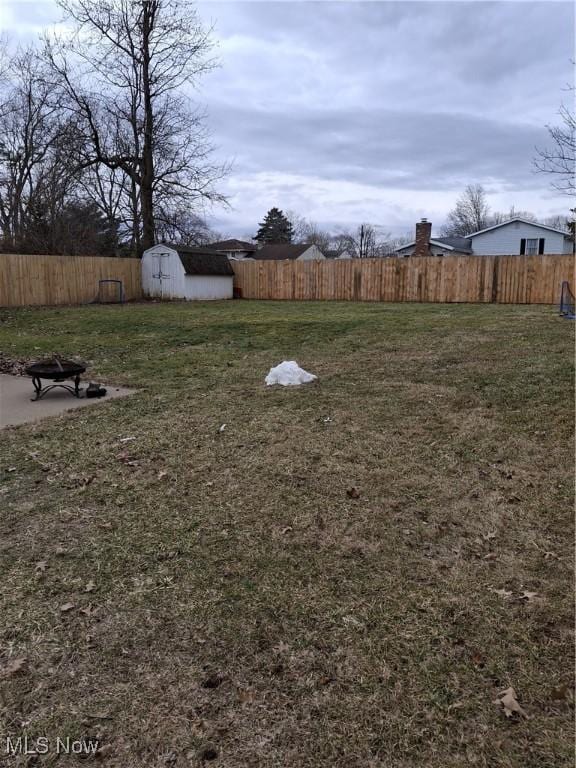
x=350, y=111
x=411, y=150
x=393, y=97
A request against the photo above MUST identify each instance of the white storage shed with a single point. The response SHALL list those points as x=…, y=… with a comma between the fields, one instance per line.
x=185, y=272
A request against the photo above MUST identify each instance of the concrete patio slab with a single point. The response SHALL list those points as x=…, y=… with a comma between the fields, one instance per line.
x=16, y=393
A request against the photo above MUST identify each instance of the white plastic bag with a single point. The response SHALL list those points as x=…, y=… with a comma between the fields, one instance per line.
x=288, y=374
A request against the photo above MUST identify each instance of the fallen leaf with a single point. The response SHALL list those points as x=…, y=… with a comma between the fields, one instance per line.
x=89, y=610
x=41, y=566
x=287, y=529
x=353, y=493
x=502, y=592
x=125, y=458
x=528, y=596
x=477, y=659
x=90, y=587
x=11, y=469
x=15, y=666
x=67, y=607
x=489, y=536
x=222, y=428
x=509, y=702
x=352, y=621
x=560, y=692
x=246, y=697
x=162, y=474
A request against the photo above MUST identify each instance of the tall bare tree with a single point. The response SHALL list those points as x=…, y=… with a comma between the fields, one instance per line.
x=124, y=74
x=362, y=243
x=470, y=214
x=34, y=170
x=306, y=231
x=559, y=158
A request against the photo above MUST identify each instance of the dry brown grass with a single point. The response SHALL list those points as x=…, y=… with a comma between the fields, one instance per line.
x=246, y=610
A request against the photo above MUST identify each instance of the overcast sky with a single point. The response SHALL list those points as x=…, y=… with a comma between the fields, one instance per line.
x=375, y=111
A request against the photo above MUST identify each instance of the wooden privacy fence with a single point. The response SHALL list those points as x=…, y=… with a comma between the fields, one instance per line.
x=52, y=280
x=502, y=279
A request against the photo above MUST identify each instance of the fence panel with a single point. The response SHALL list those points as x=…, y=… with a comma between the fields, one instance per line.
x=52, y=280
x=465, y=279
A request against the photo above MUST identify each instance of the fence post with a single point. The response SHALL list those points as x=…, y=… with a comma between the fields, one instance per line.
x=495, y=277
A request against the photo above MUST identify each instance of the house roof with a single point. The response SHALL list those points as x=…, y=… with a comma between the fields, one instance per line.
x=203, y=261
x=334, y=253
x=279, y=251
x=460, y=244
x=522, y=221
x=232, y=245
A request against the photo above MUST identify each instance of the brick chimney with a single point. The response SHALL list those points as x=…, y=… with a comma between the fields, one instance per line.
x=423, y=234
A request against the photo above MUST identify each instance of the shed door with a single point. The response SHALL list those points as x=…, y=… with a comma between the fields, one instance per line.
x=161, y=274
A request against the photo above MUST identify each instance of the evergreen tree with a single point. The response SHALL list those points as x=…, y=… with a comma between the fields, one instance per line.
x=275, y=228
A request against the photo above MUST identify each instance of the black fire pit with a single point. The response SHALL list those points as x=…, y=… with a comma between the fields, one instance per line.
x=56, y=370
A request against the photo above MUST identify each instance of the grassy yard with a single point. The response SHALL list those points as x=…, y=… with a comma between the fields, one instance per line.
x=348, y=574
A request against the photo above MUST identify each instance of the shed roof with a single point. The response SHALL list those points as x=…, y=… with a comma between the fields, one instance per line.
x=232, y=245
x=279, y=251
x=203, y=261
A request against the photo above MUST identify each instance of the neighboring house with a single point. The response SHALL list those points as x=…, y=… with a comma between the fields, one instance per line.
x=280, y=251
x=234, y=249
x=184, y=272
x=344, y=254
x=514, y=237
x=520, y=236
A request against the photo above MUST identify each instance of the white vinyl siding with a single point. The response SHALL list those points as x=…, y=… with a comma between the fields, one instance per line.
x=313, y=253
x=506, y=240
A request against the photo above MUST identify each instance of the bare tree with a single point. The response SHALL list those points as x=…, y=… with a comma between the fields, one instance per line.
x=499, y=217
x=366, y=241
x=306, y=231
x=558, y=222
x=123, y=74
x=182, y=226
x=32, y=147
x=362, y=243
x=470, y=214
x=559, y=159
x=389, y=246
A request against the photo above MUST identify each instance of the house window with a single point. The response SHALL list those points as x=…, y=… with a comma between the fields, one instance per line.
x=531, y=246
